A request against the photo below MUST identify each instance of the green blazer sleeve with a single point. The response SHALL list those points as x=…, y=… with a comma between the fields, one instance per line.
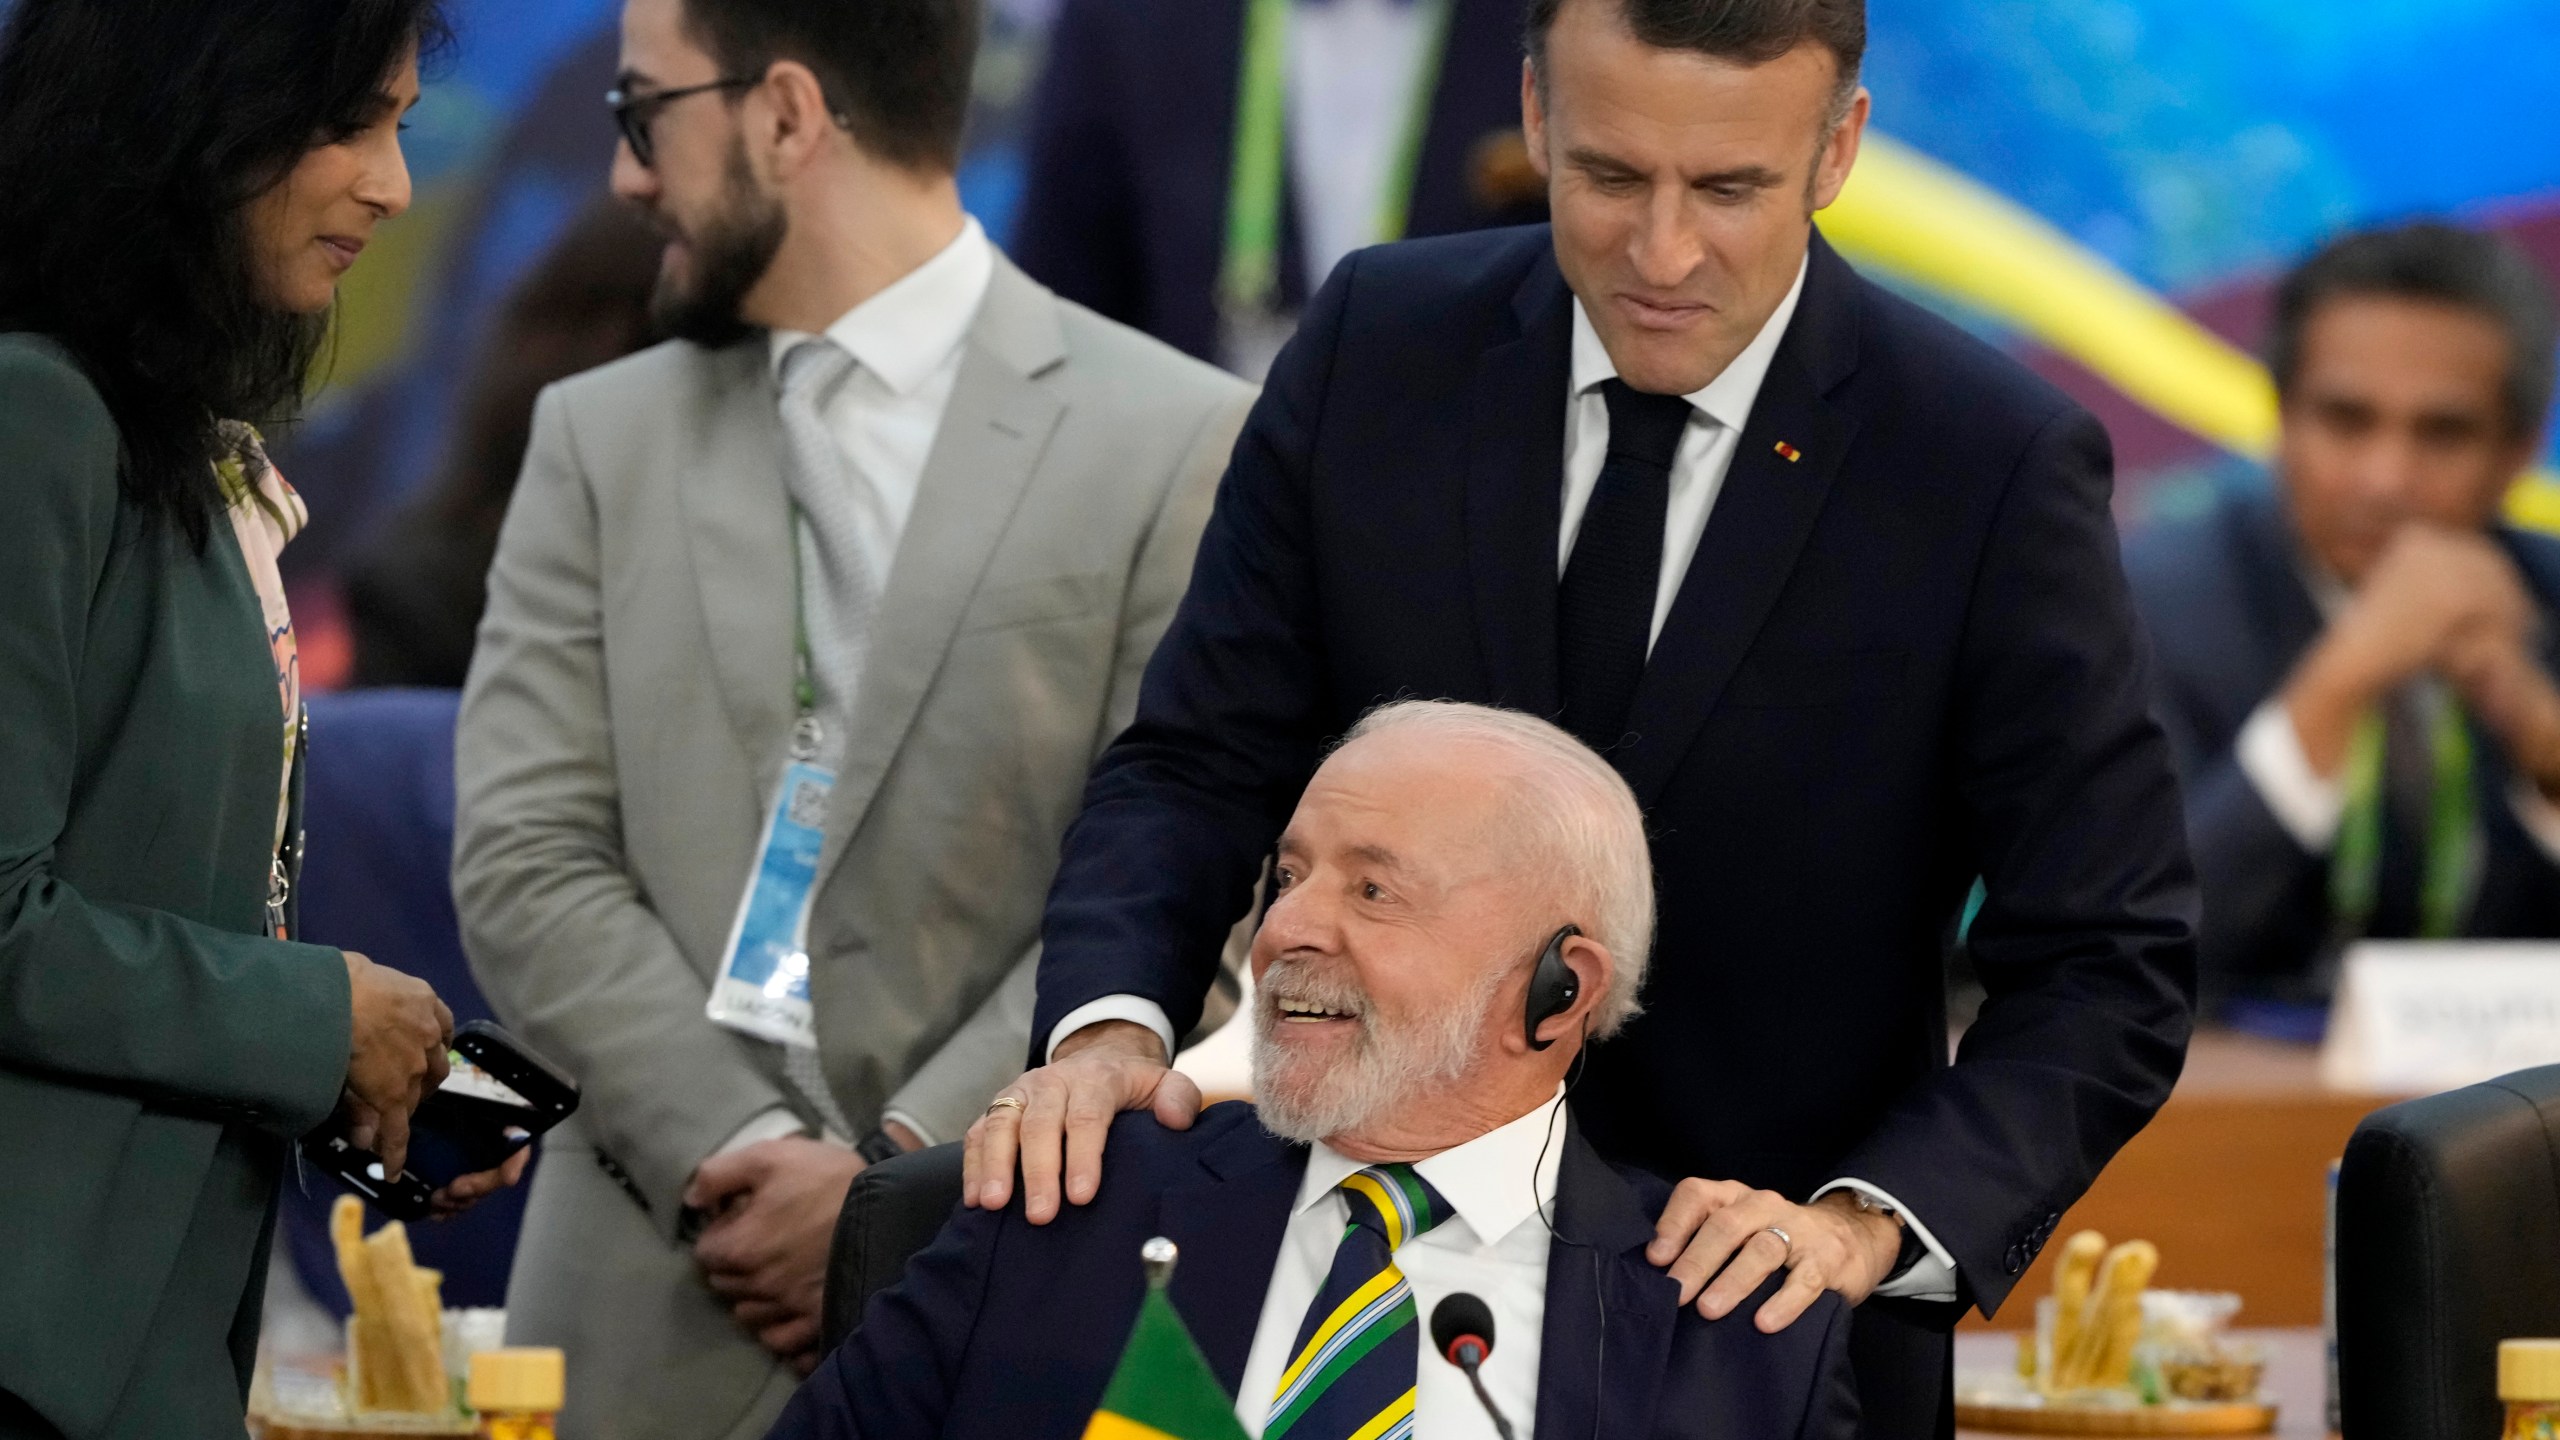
x=189, y=1014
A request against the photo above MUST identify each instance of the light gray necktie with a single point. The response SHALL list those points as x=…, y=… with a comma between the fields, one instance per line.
x=838, y=590
x=837, y=597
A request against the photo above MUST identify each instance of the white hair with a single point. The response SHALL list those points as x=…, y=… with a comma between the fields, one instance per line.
x=1577, y=822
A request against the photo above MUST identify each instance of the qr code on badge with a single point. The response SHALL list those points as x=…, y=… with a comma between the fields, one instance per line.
x=808, y=808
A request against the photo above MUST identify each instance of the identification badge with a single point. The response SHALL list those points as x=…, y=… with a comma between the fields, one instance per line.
x=763, y=987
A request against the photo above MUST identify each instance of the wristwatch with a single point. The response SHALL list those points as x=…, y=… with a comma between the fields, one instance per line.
x=878, y=1146
x=1914, y=1249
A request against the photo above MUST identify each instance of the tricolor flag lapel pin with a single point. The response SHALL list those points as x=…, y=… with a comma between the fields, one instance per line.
x=1791, y=453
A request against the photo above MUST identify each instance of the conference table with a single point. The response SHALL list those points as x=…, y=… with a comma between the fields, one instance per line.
x=2230, y=1180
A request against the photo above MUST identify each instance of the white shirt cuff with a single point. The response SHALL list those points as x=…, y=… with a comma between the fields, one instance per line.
x=1136, y=1009
x=2539, y=817
x=1933, y=1276
x=914, y=1126
x=2307, y=804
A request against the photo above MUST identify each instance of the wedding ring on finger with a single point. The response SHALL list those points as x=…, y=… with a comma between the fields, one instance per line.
x=1783, y=1238
x=1005, y=1102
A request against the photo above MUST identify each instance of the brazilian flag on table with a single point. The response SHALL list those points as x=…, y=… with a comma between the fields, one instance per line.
x=1163, y=1389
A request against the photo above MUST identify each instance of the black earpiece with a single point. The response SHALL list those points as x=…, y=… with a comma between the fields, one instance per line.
x=1553, y=987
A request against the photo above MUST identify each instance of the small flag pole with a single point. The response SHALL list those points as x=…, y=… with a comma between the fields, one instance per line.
x=1160, y=1255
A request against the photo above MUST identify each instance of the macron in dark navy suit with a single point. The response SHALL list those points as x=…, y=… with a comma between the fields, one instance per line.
x=1003, y=1330
x=1891, y=653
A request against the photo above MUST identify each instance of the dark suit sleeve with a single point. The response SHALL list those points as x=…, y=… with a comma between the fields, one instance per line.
x=1831, y=1408
x=2252, y=870
x=1077, y=231
x=195, y=1017
x=2086, y=941
x=898, y=1373
x=1183, y=807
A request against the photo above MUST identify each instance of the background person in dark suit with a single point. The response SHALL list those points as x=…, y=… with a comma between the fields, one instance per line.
x=1132, y=152
x=1839, y=596
x=2356, y=670
x=1421, y=886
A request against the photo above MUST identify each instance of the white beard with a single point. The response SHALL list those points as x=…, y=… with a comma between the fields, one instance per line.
x=1391, y=1067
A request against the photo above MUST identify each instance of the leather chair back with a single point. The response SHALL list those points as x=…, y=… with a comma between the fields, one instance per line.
x=894, y=1209
x=2448, y=1241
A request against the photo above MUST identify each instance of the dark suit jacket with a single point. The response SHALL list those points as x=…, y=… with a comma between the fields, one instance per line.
x=1902, y=661
x=1133, y=133
x=157, y=1052
x=2223, y=597
x=1009, y=1331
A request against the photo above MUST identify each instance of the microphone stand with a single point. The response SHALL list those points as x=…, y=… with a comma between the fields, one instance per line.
x=1468, y=1358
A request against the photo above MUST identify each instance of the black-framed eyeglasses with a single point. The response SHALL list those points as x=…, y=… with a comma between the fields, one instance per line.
x=636, y=113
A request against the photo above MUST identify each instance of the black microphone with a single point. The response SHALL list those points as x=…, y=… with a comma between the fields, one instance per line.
x=1462, y=1331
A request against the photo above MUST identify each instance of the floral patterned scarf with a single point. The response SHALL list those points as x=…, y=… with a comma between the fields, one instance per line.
x=265, y=515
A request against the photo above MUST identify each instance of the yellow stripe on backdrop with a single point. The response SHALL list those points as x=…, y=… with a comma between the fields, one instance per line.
x=1908, y=216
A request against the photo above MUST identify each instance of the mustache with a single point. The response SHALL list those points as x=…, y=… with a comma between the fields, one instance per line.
x=1309, y=984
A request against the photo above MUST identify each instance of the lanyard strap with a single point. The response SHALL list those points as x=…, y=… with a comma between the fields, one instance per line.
x=807, y=736
x=1249, y=277
x=2453, y=833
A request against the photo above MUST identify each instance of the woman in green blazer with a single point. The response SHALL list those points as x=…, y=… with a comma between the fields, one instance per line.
x=181, y=186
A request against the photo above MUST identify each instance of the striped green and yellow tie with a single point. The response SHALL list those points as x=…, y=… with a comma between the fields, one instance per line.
x=1350, y=1375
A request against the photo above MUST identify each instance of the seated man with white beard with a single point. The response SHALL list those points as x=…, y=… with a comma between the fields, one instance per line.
x=1463, y=901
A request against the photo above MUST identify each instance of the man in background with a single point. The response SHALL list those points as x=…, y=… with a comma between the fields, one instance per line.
x=1197, y=167
x=802, y=633
x=2356, y=667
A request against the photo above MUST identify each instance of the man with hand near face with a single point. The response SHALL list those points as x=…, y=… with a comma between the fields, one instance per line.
x=803, y=632
x=1832, y=585
x=1460, y=904
x=2357, y=667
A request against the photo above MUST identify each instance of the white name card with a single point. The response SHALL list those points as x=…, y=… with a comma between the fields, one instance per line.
x=2415, y=1018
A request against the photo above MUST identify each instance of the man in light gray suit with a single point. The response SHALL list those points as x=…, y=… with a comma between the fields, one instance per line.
x=803, y=632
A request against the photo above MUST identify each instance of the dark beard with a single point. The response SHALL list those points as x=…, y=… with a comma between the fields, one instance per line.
x=730, y=254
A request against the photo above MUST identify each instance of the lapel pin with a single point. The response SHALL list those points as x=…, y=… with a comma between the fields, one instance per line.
x=1791, y=453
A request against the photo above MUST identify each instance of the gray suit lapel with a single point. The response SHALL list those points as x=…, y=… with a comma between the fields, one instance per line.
x=738, y=530
x=993, y=433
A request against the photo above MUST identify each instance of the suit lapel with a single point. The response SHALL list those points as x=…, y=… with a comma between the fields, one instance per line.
x=738, y=531
x=1229, y=1224
x=1759, y=524
x=2275, y=572
x=1515, y=492
x=1609, y=1312
x=993, y=432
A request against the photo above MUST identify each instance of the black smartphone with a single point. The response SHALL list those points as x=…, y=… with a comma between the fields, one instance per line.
x=497, y=1097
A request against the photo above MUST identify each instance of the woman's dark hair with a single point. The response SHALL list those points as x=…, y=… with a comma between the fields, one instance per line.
x=133, y=134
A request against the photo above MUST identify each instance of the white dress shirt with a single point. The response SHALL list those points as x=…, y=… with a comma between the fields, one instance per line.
x=906, y=346
x=2311, y=806
x=1718, y=414
x=1351, y=70
x=1495, y=1247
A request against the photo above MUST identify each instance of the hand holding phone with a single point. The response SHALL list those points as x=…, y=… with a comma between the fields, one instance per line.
x=494, y=1098
x=396, y=1054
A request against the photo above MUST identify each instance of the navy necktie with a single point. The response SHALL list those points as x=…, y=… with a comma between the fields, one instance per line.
x=1604, y=608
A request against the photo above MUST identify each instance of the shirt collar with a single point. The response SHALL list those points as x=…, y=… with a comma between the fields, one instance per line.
x=905, y=333
x=1728, y=398
x=1495, y=1182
